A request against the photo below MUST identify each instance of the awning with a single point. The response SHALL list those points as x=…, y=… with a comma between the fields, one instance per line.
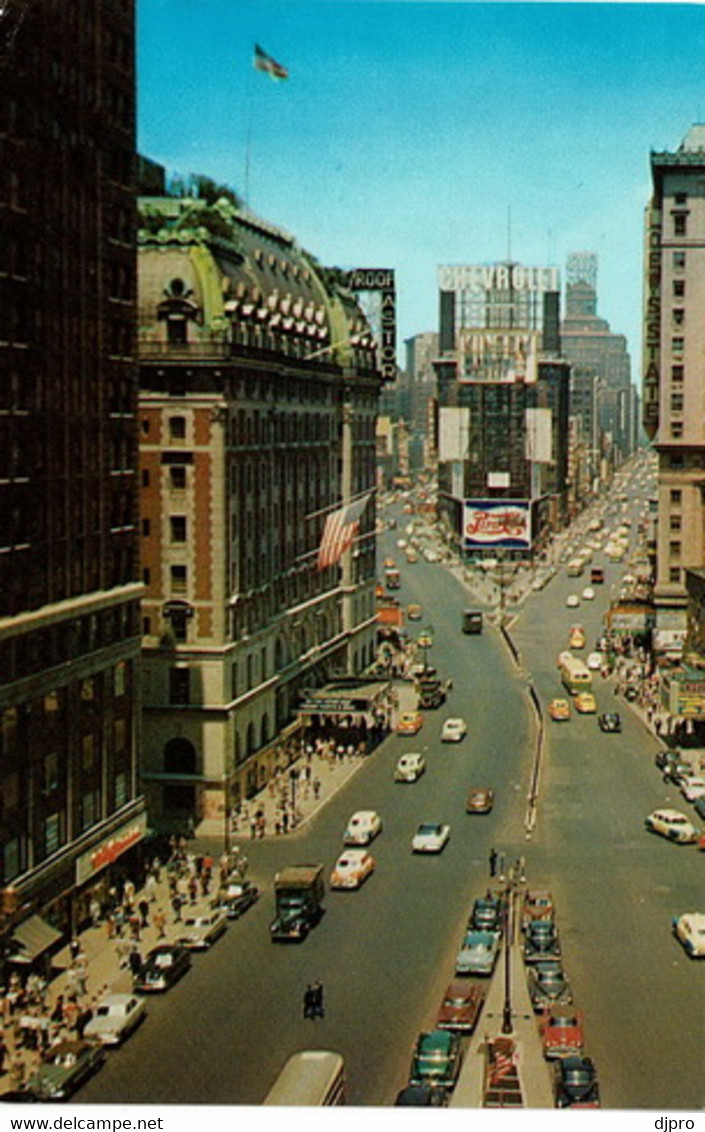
x=32, y=938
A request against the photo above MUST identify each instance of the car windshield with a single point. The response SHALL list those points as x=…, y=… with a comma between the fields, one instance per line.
x=429, y=830
x=577, y=1076
x=163, y=959
x=563, y=1021
x=457, y=1001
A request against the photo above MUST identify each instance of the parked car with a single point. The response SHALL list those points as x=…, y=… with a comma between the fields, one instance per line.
x=689, y=929
x=478, y=953
x=667, y=758
x=410, y=722
x=480, y=800
x=460, y=1008
x=559, y=710
x=548, y=986
x=200, y=931
x=421, y=1096
x=487, y=914
x=65, y=1067
x=575, y=1083
x=409, y=768
x=561, y=1033
x=115, y=1017
x=673, y=825
x=236, y=897
x=610, y=721
x=352, y=868
x=164, y=966
x=538, y=905
x=692, y=787
x=541, y=941
x=436, y=1059
x=453, y=730
x=430, y=837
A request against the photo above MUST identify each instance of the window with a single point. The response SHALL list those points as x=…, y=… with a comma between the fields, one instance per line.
x=88, y=689
x=146, y=626
x=677, y=373
x=676, y=496
x=179, y=624
x=677, y=345
x=146, y=575
x=674, y=574
x=177, y=428
x=145, y=477
x=176, y=331
x=145, y=427
x=677, y=460
x=87, y=751
x=678, y=316
x=675, y=523
x=680, y=223
x=177, y=477
x=120, y=789
x=681, y=198
x=679, y=288
x=179, y=579
x=51, y=772
x=53, y=836
x=90, y=809
x=178, y=528
x=676, y=429
x=146, y=527
x=679, y=261
x=11, y=864
x=119, y=735
x=674, y=549
x=179, y=686
x=676, y=402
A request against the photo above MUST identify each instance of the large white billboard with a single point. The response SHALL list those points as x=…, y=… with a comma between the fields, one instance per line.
x=453, y=433
x=539, y=436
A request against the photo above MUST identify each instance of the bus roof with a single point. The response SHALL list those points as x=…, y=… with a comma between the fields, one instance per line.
x=306, y=1079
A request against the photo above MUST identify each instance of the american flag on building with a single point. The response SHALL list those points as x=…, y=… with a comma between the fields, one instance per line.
x=339, y=532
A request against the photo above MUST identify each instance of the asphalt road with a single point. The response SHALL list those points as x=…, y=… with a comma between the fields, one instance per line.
x=385, y=953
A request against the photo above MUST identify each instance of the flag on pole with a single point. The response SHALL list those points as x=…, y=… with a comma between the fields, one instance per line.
x=264, y=62
x=339, y=532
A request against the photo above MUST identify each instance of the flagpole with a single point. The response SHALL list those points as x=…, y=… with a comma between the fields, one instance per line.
x=248, y=146
x=336, y=506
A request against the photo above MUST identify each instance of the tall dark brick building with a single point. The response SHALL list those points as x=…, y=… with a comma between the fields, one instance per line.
x=69, y=623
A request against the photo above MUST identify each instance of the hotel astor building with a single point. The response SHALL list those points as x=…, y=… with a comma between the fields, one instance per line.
x=258, y=399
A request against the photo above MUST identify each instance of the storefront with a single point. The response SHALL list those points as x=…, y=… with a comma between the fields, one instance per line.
x=349, y=712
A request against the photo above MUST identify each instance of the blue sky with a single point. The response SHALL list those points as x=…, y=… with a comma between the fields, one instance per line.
x=409, y=133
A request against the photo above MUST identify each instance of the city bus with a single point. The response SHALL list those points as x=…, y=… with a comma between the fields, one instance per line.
x=312, y=1077
x=575, y=675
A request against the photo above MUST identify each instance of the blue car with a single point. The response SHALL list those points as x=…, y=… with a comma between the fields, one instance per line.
x=478, y=953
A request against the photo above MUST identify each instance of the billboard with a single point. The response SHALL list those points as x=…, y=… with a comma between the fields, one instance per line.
x=380, y=279
x=453, y=433
x=498, y=277
x=497, y=523
x=497, y=355
x=539, y=436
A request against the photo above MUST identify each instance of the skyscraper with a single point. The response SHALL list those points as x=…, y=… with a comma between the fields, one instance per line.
x=69, y=623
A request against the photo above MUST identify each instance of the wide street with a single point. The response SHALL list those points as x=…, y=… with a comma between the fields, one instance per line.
x=385, y=953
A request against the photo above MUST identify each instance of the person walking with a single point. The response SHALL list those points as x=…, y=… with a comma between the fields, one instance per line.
x=176, y=905
x=159, y=921
x=143, y=907
x=493, y=862
x=317, y=999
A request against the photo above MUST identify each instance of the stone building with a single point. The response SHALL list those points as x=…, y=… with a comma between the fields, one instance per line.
x=259, y=385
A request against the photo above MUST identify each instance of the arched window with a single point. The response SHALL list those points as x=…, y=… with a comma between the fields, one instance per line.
x=180, y=757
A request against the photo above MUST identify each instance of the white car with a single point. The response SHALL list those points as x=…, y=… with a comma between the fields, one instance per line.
x=692, y=787
x=200, y=931
x=588, y=593
x=595, y=661
x=362, y=828
x=430, y=837
x=689, y=929
x=114, y=1018
x=453, y=730
x=572, y=601
x=673, y=825
x=409, y=768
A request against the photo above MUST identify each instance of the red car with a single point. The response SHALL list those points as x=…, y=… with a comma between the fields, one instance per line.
x=562, y=1034
x=461, y=1006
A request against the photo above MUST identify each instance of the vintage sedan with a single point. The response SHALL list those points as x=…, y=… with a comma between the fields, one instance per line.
x=478, y=953
x=480, y=800
x=409, y=767
x=453, y=730
x=672, y=825
x=541, y=941
x=538, y=905
x=561, y=1033
x=436, y=1059
x=64, y=1068
x=164, y=966
x=689, y=929
x=548, y=986
x=352, y=868
x=200, y=932
x=610, y=721
x=236, y=897
x=430, y=837
x=575, y=1083
x=461, y=1006
x=585, y=703
x=559, y=710
x=410, y=722
x=487, y=913
x=114, y=1019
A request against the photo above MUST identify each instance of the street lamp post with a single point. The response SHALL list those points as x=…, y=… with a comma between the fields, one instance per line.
x=507, y=1026
x=226, y=814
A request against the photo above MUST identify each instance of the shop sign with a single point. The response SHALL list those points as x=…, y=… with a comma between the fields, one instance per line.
x=108, y=851
x=498, y=523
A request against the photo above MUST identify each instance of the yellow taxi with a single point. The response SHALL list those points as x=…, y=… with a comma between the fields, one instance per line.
x=413, y=612
x=559, y=709
x=409, y=723
x=577, y=637
x=585, y=702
